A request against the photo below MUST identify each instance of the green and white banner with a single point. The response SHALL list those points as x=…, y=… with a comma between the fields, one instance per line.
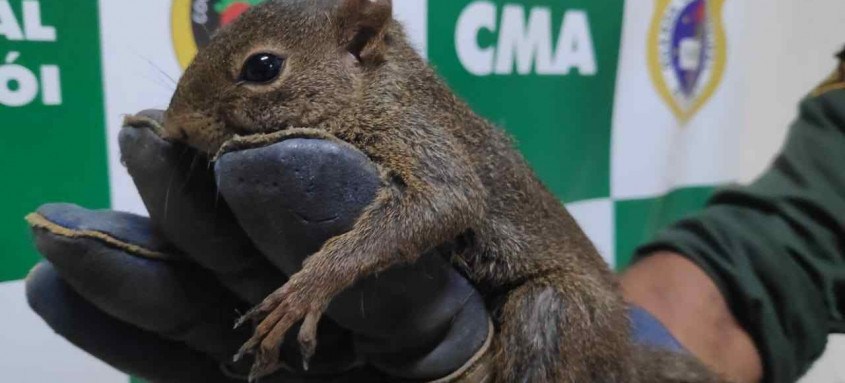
x=629, y=112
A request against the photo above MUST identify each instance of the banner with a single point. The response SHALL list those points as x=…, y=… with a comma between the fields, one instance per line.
x=630, y=112
x=53, y=148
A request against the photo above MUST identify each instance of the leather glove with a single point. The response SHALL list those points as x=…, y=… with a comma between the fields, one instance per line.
x=156, y=297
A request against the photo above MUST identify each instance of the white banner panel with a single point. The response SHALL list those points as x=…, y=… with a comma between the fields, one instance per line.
x=655, y=147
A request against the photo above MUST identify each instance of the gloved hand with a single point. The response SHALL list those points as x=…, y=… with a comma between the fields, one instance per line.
x=157, y=297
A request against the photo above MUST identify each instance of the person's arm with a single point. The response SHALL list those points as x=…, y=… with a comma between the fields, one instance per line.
x=765, y=262
x=687, y=302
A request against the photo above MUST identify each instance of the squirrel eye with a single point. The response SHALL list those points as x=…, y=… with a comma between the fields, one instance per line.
x=262, y=68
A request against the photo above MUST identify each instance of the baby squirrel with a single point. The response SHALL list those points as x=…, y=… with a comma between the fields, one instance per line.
x=344, y=67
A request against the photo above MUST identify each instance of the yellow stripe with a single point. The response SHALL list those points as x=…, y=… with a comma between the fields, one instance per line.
x=829, y=88
x=834, y=82
x=183, y=35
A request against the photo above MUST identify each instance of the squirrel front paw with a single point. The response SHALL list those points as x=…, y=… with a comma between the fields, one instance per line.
x=298, y=300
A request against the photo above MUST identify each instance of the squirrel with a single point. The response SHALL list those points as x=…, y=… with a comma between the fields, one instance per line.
x=345, y=67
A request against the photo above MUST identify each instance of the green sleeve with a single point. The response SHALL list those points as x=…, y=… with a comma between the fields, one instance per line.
x=776, y=248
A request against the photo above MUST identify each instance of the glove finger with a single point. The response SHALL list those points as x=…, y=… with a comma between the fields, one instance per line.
x=123, y=346
x=177, y=186
x=293, y=195
x=118, y=263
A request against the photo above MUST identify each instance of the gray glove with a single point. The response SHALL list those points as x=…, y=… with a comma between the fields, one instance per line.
x=157, y=297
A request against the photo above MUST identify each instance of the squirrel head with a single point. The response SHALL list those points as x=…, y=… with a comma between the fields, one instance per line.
x=284, y=63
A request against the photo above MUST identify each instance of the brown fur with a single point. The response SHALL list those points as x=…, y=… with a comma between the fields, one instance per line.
x=450, y=177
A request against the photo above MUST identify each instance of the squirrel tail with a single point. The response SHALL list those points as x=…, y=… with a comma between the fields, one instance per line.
x=551, y=331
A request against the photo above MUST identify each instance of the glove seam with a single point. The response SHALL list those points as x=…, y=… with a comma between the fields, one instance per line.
x=478, y=361
x=38, y=221
x=140, y=122
x=253, y=141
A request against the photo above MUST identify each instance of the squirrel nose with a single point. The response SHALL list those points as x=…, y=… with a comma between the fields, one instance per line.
x=173, y=130
x=198, y=130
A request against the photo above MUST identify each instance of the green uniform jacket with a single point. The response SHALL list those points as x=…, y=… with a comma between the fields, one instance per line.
x=776, y=248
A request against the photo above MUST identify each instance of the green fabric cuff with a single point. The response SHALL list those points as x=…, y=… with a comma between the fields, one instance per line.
x=767, y=289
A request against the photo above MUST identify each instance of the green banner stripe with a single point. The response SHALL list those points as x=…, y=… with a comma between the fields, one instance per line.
x=53, y=146
x=545, y=70
x=638, y=220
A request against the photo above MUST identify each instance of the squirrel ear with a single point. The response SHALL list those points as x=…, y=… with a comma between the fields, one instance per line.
x=363, y=23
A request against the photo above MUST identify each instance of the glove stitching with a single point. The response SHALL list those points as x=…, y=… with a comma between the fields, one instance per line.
x=476, y=363
x=39, y=221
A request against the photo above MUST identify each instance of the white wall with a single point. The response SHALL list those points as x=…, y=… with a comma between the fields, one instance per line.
x=794, y=42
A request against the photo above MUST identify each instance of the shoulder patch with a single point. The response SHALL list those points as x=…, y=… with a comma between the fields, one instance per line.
x=836, y=80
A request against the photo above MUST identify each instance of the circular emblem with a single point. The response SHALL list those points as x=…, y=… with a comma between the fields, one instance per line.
x=195, y=21
x=686, y=53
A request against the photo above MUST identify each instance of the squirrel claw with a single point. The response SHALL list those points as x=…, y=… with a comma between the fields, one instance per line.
x=246, y=348
x=266, y=360
x=250, y=315
x=259, y=371
x=280, y=311
x=308, y=337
